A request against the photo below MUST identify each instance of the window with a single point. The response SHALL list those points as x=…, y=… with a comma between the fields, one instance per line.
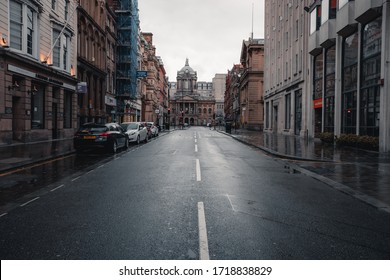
x=30, y=30
x=56, y=48
x=60, y=50
x=23, y=26
x=330, y=60
x=16, y=25
x=53, y=4
x=315, y=19
x=318, y=72
x=66, y=13
x=329, y=10
x=370, y=74
x=349, y=84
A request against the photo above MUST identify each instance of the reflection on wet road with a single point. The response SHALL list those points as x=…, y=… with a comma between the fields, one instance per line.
x=19, y=183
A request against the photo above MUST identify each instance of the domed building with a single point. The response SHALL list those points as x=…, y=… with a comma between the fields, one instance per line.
x=193, y=102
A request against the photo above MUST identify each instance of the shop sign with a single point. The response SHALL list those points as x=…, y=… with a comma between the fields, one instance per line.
x=110, y=101
x=318, y=103
x=82, y=87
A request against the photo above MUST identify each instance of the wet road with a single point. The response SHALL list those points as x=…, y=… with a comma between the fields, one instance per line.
x=191, y=194
x=15, y=184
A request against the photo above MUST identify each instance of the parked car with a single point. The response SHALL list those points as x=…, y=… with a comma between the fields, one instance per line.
x=148, y=130
x=153, y=129
x=135, y=131
x=109, y=136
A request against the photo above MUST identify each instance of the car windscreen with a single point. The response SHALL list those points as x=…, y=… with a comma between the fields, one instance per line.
x=93, y=129
x=130, y=126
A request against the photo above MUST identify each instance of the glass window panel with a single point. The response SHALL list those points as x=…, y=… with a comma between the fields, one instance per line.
x=57, y=48
x=16, y=25
x=30, y=30
x=325, y=11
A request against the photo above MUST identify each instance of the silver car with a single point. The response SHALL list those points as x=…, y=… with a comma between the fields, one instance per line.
x=153, y=128
x=135, y=131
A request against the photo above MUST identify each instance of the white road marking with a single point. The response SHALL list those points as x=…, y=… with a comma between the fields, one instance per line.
x=59, y=187
x=203, y=242
x=74, y=179
x=198, y=175
x=174, y=152
x=90, y=171
x=196, y=148
x=101, y=166
x=24, y=204
x=196, y=140
x=2, y=215
x=231, y=204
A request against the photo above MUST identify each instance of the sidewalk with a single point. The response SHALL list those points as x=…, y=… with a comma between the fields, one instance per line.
x=362, y=174
x=22, y=154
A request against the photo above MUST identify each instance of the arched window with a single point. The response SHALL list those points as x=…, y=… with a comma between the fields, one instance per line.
x=209, y=111
x=204, y=111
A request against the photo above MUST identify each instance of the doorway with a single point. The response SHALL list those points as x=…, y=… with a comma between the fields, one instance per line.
x=54, y=122
x=298, y=112
x=17, y=118
x=275, y=119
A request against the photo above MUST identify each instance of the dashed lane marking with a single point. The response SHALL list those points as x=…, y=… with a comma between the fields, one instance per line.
x=196, y=148
x=28, y=202
x=59, y=187
x=2, y=215
x=74, y=179
x=198, y=175
x=203, y=242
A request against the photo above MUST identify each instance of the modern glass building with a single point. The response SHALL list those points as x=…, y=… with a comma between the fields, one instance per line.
x=349, y=68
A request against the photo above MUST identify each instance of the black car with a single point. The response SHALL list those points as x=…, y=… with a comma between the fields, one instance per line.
x=109, y=136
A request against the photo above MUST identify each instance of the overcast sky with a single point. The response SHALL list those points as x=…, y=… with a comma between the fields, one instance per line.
x=207, y=32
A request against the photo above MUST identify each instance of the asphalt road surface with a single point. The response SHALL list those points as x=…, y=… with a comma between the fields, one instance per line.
x=191, y=194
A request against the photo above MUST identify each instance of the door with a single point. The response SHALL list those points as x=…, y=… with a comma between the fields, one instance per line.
x=275, y=119
x=298, y=112
x=17, y=118
x=54, y=121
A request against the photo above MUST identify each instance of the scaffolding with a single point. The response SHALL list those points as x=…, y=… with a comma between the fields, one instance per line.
x=127, y=51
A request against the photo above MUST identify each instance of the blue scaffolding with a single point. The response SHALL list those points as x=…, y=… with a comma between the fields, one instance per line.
x=127, y=51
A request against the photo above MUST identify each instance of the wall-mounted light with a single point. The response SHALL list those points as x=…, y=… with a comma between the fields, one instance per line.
x=72, y=71
x=14, y=85
x=3, y=41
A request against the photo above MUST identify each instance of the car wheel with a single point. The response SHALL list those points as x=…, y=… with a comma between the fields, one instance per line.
x=138, y=140
x=114, y=147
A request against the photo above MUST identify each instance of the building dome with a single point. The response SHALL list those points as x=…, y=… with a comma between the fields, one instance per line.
x=186, y=70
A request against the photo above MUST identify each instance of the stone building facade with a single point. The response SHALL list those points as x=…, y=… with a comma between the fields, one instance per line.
x=219, y=88
x=251, y=84
x=38, y=61
x=285, y=68
x=92, y=62
x=193, y=102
